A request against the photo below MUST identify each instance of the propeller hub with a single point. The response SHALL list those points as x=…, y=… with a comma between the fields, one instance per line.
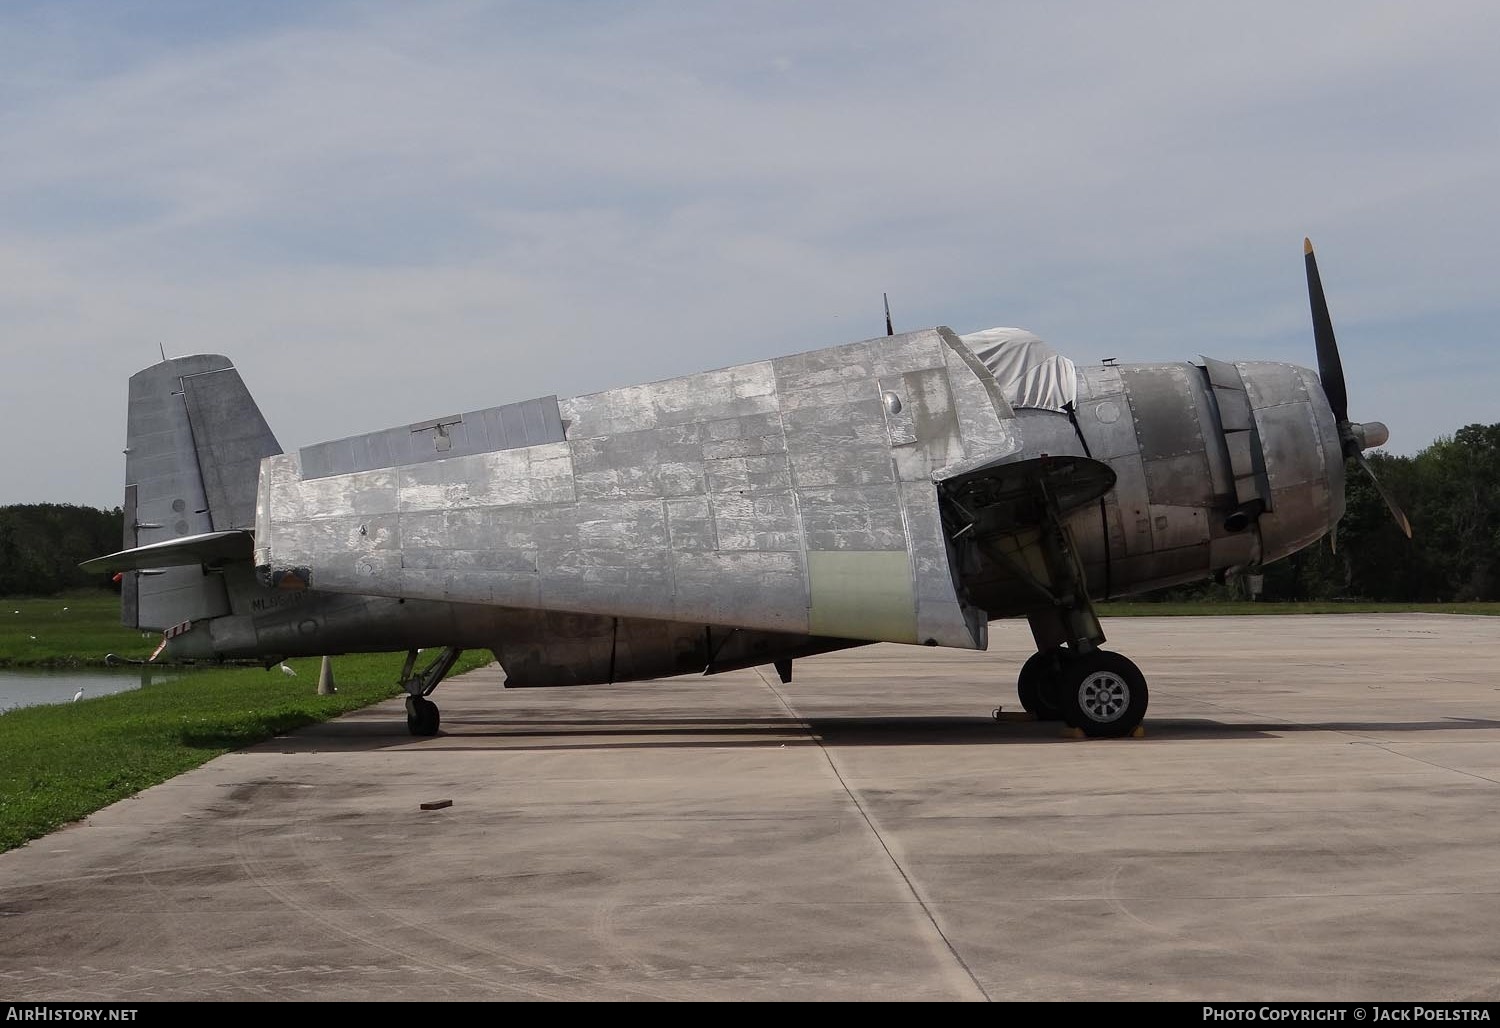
x=1361, y=436
x=1371, y=434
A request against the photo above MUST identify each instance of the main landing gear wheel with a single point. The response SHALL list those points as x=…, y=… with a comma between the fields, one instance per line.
x=422, y=717
x=1036, y=685
x=1102, y=694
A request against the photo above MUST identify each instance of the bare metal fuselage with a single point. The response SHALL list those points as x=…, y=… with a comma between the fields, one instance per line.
x=765, y=511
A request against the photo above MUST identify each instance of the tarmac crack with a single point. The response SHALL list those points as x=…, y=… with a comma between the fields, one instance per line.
x=879, y=838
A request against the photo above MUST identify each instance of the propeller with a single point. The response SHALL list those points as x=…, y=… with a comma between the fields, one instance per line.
x=1354, y=437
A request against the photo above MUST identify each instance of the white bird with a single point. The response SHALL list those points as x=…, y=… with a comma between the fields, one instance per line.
x=32, y=638
x=78, y=696
x=65, y=610
x=288, y=671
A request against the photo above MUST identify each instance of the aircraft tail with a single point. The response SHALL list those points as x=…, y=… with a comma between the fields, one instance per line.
x=194, y=442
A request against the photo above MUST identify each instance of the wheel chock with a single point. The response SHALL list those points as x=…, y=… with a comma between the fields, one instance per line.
x=1138, y=732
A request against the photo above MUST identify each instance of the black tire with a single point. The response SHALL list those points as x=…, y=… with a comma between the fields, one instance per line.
x=422, y=716
x=1103, y=694
x=1036, y=685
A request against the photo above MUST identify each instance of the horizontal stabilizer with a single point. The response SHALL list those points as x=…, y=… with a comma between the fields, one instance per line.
x=208, y=548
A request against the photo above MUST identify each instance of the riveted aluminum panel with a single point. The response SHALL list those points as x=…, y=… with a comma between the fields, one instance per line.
x=832, y=366
x=756, y=521
x=867, y=518
x=941, y=617
x=348, y=534
x=690, y=523
x=907, y=352
x=1238, y=549
x=230, y=436
x=1289, y=437
x=1141, y=573
x=1096, y=381
x=770, y=471
x=1088, y=528
x=504, y=528
x=1107, y=424
x=986, y=423
x=1303, y=516
x=535, y=474
x=852, y=423
x=927, y=398
x=711, y=395
x=844, y=395
x=731, y=588
x=1234, y=409
x=1271, y=383
x=496, y=428
x=366, y=492
x=1163, y=407
x=900, y=429
x=1173, y=527
x=1134, y=503
x=1180, y=481
x=1222, y=374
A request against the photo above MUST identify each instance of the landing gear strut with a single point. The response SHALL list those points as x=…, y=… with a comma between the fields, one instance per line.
x=422, y=716
x=1005, y=522
x=1070, y=678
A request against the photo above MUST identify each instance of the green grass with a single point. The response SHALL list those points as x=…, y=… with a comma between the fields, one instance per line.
x=72, y=630
x=63, y=762
x=1216, y=608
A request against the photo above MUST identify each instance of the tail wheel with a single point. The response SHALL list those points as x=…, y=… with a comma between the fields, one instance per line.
x=1102, y=694
x=1036, y=685
x=422, y=717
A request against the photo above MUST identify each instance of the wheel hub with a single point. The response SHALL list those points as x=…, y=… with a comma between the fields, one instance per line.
x=1104, y=696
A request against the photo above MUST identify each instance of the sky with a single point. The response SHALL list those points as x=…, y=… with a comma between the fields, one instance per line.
x=389, y=212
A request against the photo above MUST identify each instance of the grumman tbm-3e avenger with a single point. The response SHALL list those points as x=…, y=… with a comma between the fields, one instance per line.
x=908, y=488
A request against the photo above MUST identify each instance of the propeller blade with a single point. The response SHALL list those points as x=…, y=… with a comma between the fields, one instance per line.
x=1390, y=503
x=1330, y=368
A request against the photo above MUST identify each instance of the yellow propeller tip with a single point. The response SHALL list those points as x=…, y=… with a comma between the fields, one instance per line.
x=1306, y=245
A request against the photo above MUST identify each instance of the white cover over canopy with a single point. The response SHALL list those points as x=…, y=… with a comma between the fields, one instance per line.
x=1030, y=373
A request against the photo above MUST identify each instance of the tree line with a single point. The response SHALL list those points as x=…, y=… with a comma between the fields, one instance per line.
x=1450, y=491
x=41, y=545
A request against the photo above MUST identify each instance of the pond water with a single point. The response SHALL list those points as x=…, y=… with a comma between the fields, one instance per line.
x=30, y=687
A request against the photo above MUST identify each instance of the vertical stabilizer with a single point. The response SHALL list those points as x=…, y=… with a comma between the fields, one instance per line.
x=194, y=442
